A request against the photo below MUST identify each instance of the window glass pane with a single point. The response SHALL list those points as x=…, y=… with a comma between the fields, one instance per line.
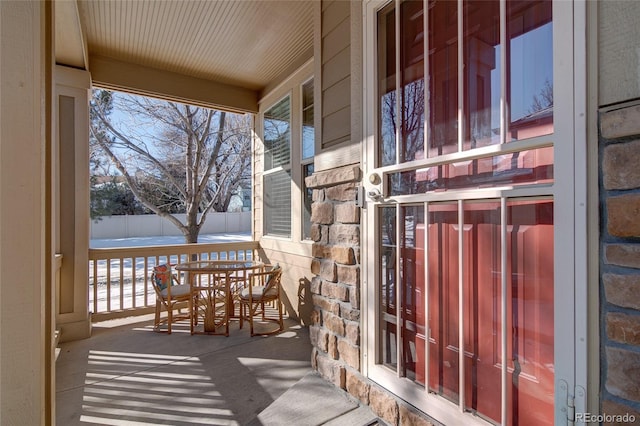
x=482, y=294
x=443, y=77
x=530, y=311
x=412, y=234
x=481, y=73
x=520, y=168
x=308, y=134
x=387, y=289
x=442, y=223
x=277, y=135
x=482, y=284
x=412, y=54
x=277, y=203
x=529, y=307
x=530, y=63
x=307, y=170
x=387, y=95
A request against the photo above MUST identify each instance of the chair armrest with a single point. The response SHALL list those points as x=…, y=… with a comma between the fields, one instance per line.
x=261, y=276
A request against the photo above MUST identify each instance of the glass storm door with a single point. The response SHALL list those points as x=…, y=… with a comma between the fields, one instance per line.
x=464, y=220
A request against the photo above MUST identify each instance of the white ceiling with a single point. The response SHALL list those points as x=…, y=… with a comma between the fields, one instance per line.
x=243, y=43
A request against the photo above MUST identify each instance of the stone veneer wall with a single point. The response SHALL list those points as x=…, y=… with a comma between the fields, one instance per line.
x=620, y=260
x=335, y=326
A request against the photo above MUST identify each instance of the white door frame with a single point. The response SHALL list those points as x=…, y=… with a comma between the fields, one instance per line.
x=570, y=219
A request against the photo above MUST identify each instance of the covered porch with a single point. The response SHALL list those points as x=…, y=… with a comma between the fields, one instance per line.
x=231, y=65
x=128, y=374
x=227, y=55
x=124, y=372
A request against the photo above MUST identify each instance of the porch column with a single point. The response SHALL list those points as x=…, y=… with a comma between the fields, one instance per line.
x=25, y=342
x=71, y=205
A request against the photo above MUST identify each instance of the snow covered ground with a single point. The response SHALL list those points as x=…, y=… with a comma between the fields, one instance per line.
x=108, y=297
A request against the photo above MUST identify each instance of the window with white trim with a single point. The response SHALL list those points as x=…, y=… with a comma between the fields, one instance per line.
x=286, y=127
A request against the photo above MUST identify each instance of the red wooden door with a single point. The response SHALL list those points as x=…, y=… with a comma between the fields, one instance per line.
x=529, y=297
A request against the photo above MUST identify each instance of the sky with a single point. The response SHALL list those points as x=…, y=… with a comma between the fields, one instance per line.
x=531, y=65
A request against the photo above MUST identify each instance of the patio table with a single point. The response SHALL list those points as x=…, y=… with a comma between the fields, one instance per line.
x=213, y=286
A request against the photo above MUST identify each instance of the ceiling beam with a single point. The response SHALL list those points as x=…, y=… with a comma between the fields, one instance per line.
x=132, y=78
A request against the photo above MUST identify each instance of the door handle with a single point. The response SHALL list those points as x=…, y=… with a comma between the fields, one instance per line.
x=375, y=194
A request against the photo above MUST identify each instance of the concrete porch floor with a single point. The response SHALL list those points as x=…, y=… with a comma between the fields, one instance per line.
x=127, y=374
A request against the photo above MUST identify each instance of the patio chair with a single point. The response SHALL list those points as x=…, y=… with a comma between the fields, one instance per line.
x=169, y=292
x=264, y=287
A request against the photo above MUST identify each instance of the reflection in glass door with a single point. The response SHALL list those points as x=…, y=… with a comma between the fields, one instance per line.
x=466, y=150
x=482, y=308
x=402, y=306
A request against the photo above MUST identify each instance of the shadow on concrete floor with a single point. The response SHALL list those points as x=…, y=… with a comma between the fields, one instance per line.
x=128, y=374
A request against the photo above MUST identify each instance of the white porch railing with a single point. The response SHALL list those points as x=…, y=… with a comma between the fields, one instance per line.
x=119, y=278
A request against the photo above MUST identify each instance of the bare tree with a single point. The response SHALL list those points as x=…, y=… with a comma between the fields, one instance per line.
x=544, y=98
x=175, y=158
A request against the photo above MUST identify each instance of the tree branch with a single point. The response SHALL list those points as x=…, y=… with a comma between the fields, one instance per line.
x=133, y=185
x=130, y=145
